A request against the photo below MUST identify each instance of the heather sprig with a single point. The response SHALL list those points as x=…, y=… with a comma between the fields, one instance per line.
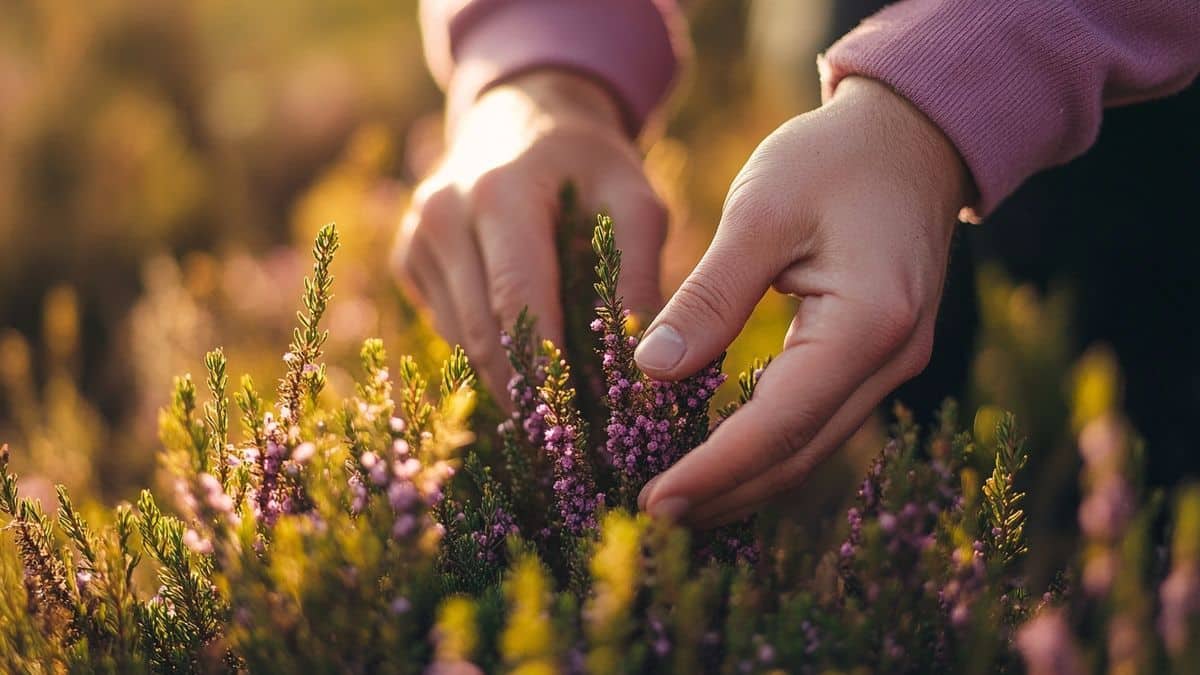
x=49, y=592
x=187, y=613
x=250, y=404
x=478, y=529
x=184, y=437
x=80, y=535
x=455, y=635
x=529, y=373
x=527, y=641
x=1108, y=504
x=104, y=585
x=651, y=423
x=1179, y=595
x=216, y=413
x=566, y=443
x=617, y=348
x=416, y=411
x=85, y=605
x=304, y=373
x=1006, y=537
x=609, y=614
x=457, y=374
x=747, y=382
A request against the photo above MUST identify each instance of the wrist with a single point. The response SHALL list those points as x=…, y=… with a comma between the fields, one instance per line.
x=559, y=93
x=914, y=142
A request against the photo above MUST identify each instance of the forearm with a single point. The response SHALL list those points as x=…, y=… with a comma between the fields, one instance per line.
x=1020, y=86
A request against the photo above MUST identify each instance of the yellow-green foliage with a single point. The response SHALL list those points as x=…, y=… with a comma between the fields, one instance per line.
x=616, y=572
x=527, y=644
x=24, y=646
x=455, y=631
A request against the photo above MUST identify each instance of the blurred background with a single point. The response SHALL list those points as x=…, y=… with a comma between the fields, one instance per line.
x=164, y=165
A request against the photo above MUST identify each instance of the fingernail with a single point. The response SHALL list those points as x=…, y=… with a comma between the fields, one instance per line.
x=670, y=508
x=645, y=493
x=661, y=349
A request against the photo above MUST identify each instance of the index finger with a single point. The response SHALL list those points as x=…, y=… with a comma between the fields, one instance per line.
x=516, y=241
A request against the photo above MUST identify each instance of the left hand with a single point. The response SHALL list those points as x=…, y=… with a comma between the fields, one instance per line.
x=478, y=243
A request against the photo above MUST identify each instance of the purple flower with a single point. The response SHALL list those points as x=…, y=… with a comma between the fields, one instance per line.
x=304, y=452
x=1107, y=509
x=812, y=637
x=1180, y=597
x=1047, y=646
x=194, y=541
x=491, y=537
x=83, y=578
x=651, y=423
x=574, y=491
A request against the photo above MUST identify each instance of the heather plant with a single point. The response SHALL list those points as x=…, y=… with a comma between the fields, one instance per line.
x=413, y=528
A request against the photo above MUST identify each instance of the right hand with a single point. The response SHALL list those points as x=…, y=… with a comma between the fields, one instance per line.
x=478, y=243
x=850, y=208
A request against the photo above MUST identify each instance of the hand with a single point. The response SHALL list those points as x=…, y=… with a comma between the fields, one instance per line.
x=850, y=208
x=478, y=243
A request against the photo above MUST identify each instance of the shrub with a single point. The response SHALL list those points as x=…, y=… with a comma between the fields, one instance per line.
x=392, y=534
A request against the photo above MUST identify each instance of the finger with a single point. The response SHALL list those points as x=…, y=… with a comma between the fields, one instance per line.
x=406, y=264
x=833, y=347
x=763, y=488
x=713, y=303
x=462, y=271
x=725, y=518
x=440, y=308
x=516, y=240
x=416, y=258
x=640, y=228
x=434, y=209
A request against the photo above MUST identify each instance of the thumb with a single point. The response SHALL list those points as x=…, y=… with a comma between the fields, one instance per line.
x=710, y=307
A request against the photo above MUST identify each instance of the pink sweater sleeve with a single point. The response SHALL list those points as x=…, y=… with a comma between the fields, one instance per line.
x=632, y=47
x=1019, y=86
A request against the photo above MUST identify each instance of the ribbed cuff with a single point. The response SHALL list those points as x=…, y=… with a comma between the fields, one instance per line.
x=625, y=45
x=1016, y=86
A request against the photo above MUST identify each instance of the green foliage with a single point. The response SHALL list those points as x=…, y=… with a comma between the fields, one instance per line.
x=216, y=412
x=251, y=405
x=608, y=268
x=184, y=437
x=187, y=613
x=747, y=381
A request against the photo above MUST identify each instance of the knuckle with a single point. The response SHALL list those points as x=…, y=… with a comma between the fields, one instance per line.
x=481, y=339
x=786, y=432
x=508, y=293
x=434, y=211
x=917, y=356
x=703, y=294
x=494, y=185
x=746, y=208
x=896, y=321
x=799, y=467
x=790, y=438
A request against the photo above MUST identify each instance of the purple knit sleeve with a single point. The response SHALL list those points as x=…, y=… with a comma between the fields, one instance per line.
x=632, y=47
x=1019, y=86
